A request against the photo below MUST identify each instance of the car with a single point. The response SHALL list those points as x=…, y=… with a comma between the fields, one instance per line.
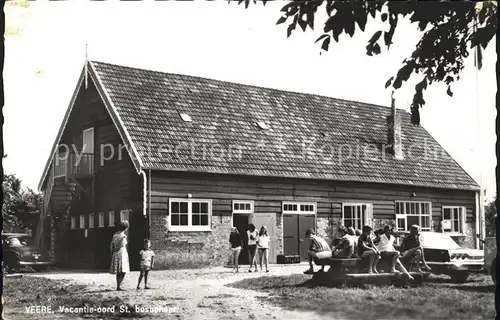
x=445, y=256
x=19, y=252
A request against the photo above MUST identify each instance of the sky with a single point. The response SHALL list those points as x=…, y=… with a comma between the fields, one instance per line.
x=45, y=53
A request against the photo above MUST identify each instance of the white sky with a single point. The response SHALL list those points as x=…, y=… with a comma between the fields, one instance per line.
x=45, y=51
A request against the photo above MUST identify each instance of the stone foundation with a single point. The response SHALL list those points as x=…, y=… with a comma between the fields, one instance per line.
x=190, y=249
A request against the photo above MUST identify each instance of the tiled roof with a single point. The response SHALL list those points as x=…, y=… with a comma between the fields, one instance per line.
x=304, y=132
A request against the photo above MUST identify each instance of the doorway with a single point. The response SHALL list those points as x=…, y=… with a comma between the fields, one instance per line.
x=240, y=221
x=294, y=229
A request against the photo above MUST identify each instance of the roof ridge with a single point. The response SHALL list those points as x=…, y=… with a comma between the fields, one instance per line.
x=365, y=104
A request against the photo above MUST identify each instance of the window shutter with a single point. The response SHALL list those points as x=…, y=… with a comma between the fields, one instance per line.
x=369, y=215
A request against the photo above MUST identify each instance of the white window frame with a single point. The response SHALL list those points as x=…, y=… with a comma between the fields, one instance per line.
x=365, y=219
x=101, y=220
x=73, y=222
x=125, y=215
x=251, y=202
x=462, y=217
x=404, y=216
x=91, y=148
x=111, y=219
x=298, y=204
x=190, y=227
x=82, y=221
x=91, y=220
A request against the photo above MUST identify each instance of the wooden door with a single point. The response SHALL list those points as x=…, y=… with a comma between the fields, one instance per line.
x=305, y=222
x=269, y=221
x=240, y=221
x=290, y=234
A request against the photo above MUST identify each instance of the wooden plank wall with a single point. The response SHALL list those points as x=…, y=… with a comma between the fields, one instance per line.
x=268, y=194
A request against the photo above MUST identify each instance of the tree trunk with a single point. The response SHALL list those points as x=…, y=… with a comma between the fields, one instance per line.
x=497, y=176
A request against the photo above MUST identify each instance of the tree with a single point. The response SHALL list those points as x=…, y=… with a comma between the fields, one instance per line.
x=490, y=213
x=21, y=208
x=450, y=30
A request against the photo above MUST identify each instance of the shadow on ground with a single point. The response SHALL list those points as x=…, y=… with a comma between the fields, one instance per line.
x=432, y=300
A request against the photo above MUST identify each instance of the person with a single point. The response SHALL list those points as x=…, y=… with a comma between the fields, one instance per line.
x=318, y=249
x=147, y=263
x=236, y=243
x=119, y=255
x=367, y=250
x=263, y=247
x=345, y=247
x=412, y=250
x=352, y=234
x=387, y=251
x=252, y=235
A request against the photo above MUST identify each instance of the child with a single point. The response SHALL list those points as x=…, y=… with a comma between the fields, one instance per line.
x=147, y=263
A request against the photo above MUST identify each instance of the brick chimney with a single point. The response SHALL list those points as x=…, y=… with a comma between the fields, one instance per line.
x=394, y=131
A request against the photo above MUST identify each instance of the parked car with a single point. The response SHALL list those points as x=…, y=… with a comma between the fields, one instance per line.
x=445, y=256
x=19, y=252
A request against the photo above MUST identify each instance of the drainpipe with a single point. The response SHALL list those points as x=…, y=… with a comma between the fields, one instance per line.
x=149, y=206
x=478, y=212
x=144, y=195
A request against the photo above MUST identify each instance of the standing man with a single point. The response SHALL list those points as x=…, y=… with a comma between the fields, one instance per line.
x=318, y=249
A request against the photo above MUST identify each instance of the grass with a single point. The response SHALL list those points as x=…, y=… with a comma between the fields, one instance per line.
x=24, y=292
x=437, y=298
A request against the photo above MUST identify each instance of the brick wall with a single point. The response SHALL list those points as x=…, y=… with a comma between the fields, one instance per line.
x=279, y=234
x=190, y=249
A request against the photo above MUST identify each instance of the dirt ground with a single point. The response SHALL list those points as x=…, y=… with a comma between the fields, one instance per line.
x=183, y=294
x=217, y=293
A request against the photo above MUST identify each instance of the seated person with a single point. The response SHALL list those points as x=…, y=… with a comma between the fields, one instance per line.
x=412, y=250
x=387, y=251
x=345, y=247
x=358, y=232
x=352, y=233
x=367, y=250
x=318, y=249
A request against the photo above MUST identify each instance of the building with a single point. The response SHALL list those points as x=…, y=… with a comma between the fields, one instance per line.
x=184, y=158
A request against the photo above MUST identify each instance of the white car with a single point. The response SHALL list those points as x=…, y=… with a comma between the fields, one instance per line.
x=445, y=256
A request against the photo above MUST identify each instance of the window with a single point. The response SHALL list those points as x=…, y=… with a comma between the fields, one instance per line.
x=125, y=215
x=357, y=215
x=186, y=117
x=242, y=206
x=299, y=207
x=111, y=217
x=91, y=220
x=189, y=215
x=73, y=222
x=263, y=125
x=88, y=141
x=101, y=219
x=453, y=219
x=409, y=213
x=82, y=221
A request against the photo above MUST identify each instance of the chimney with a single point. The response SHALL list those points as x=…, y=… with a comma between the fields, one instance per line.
x=394, y=131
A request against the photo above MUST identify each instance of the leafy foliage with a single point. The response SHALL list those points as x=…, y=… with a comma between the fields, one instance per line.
x=21, y=208
x=450, y=30
x=490, y=213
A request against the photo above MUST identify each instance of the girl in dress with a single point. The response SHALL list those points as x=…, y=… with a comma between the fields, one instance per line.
x=263, y=247
x=119, y=255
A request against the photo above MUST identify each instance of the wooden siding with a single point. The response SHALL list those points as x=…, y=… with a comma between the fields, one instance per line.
x=268, y=194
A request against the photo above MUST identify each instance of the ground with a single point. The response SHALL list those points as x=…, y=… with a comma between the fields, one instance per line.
x=217, y=293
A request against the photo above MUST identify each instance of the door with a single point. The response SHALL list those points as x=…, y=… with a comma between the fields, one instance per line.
x=240, y=221
x=290, y=234
x=305, y=222
x=269, y=221
x=294, y=230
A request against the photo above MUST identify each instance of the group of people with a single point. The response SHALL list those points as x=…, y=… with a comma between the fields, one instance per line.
x=258, y=247
x=372, y=247
x=120, y=260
